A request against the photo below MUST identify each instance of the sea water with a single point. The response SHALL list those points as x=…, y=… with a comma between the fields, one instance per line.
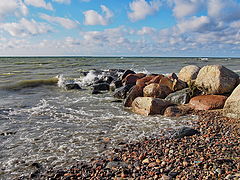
x=41, y=122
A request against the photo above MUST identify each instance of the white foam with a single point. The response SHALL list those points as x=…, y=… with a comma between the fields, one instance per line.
x=89, y=78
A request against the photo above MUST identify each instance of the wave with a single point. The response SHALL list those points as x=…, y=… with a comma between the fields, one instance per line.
x=31, y=83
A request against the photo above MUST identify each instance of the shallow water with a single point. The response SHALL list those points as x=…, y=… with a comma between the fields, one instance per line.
x=54, y=127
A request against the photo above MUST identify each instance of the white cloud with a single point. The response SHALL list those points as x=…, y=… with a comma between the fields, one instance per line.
x=146, y=30
x=63, y=1
x=94, y=18
x=39, y=4
x=25, y=28
x=141, y=9
x=15, y=7
x=65, y=22
x=183, y=8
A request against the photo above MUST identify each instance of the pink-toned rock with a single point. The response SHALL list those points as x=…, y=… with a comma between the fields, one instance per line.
x=143, y=81
x=136, y=91
x=156, y=79
x=132, y=78
x=149, y=106
x=177, y=111
x=165, y=81
x=157, y=91
x=207, y=102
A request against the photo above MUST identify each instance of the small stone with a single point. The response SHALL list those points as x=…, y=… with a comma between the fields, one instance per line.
x=145, y=161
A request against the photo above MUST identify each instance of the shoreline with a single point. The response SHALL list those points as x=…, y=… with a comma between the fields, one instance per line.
x=212, y=154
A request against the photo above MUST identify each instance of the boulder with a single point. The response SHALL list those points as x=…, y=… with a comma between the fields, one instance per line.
x=115, y=84
x=185, y=131
x=121, y=92
x=188, y=73
x=135, y=92
x=179, y=85
x=71, y=86
x=216, y=79
x=127, y=72
x=232, y=104
x=180, y=97
x=101, y=87
x=144, y=80
x=177, y=111
x=149, y=105
x=173, y=76
x=165, y=81
x=156, y=90
x=208, y=102
x=156, y=79
x=132, y=78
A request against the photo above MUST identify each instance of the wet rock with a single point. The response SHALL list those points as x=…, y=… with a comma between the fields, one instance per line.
x=143, y=81
x=72, y=86
x=165, y=81
x=177, y=111
x=149, y=105
x=115, y=84
x=185, y=131
x=127, y=72
x=101, y=87
x=180, y=97
x=179, y=85
x=216, y=79
x=232, y=104
x=207, y=102
x=188, y=73
x=132, y=78
x=156, y=90
x=121, y=92
x=136, y=91
x=156, y=79
x=116, y=165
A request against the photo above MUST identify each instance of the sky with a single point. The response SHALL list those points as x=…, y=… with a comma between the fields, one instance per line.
x=120, y=28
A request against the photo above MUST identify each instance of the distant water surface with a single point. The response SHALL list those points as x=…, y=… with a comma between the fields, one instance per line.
x=54, y=127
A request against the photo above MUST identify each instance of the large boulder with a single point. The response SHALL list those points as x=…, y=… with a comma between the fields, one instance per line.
x=208, y=102
x=156, y=79
x=179, y=84
x=165, y=81
x=149, y=105
x=180, y=97
x=127, y=72
x=156, y=90
x=135, y=92
x=216, y=79
x=132, y=78
x=143, y=81
x=232, y=105
x=121, y=92
x=188, y=73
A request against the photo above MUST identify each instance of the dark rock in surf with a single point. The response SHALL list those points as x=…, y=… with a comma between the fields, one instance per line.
x=115, y=84
x=136, y=91
x=72, y=86
x=185, y=131
x=127, y=72
x=121, y=92
x=180, y=97
x=101, y=87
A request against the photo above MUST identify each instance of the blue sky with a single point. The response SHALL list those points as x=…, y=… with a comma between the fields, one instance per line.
x=120, y=27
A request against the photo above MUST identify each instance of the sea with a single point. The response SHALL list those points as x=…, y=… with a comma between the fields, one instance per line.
x=42, y=122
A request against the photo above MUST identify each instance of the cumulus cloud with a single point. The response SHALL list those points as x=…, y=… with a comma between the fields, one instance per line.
x=94, y=18
x=25, y=28
x=15, y=7
x=141, y=9
x=39, y=4
x=146, y=30
x=63, y=1
x=183, y=8
x=65, y=22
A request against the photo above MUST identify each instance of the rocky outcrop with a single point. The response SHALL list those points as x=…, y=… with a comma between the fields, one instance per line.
x=149, y=105
x=188, y=73
x=136, y=91
x=216, y=79
x=156, y=90
x=207, y=102
x=232, y=105
x=132, y=78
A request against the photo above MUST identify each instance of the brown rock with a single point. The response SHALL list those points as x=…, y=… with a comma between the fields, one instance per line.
x=156, y=90
x=188, y=73
x=176, y=111
x=216, y=79
x=136, y=91
x=165, y=81
x=207, y=102
x=149, y=105
x=156, y=79
x=232, y=105
x=132, y=78
x=179, y=85
x=142, y=82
